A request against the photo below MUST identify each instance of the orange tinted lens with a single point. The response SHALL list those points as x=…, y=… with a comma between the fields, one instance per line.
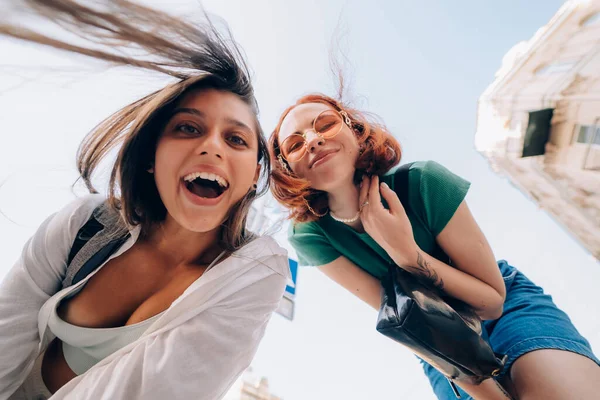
x=328, y=123
x=293, y=148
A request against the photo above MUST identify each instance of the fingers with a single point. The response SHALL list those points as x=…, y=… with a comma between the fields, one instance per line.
x=392, y=199
x=364, y=190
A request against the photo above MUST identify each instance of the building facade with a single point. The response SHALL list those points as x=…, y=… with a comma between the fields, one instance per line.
x=538, y=123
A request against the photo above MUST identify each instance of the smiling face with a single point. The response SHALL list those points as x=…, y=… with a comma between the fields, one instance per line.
x=206, y=158
x=328, y=163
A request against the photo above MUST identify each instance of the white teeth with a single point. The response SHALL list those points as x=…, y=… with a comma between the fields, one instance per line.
x=208, y=176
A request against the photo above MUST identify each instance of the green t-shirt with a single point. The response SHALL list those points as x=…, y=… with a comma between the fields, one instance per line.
x=434, y=195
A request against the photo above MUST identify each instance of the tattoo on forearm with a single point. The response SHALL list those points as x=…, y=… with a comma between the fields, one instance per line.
x=424, y=271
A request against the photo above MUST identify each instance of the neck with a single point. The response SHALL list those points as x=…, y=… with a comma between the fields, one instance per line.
x=343, y=200
x=182, y=246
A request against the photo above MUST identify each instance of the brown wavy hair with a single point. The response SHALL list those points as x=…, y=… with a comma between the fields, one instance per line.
x=380, y=151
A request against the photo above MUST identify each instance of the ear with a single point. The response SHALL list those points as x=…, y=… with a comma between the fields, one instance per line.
x=150, y=170
x=257, y=174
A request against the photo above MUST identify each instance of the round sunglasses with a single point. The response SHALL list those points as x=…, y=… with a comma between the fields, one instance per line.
x=326, y=125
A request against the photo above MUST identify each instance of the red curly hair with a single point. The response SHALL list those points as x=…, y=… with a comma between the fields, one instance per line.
x=380, y=152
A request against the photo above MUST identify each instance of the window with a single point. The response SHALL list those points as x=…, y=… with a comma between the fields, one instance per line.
x=587, y=146
x=586, y=135
x=537, y=132
x=591, y=20
x=561, y=66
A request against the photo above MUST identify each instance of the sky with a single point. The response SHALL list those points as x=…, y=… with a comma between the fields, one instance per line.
x=420, y=66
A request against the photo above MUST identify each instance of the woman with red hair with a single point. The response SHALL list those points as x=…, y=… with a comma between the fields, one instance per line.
x=333, y=170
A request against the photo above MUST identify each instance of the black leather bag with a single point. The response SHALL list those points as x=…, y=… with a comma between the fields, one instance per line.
x=442, y=331
x=446, y=336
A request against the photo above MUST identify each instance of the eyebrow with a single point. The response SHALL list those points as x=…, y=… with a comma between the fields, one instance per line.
x=194, y=111
x=188, y=111
x=239, y=124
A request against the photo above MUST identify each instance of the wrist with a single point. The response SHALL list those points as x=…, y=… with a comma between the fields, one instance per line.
x=409, y=258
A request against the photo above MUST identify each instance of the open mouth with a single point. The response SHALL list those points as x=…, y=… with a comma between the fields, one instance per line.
x=206, y=185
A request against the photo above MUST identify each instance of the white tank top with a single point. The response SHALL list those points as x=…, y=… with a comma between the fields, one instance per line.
x=84, y=347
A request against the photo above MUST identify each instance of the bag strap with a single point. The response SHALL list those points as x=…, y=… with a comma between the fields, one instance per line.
x=401, y=185
x=96, y=240
x=87, y=232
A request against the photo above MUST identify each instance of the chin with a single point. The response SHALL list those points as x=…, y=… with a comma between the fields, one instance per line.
x=199, y=222
x=329, y=178
x=202, y=225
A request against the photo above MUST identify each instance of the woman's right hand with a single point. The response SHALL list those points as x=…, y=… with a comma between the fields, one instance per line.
x=390, y=228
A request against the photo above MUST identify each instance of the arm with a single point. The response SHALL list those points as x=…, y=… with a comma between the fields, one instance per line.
x=368, y=289
x=476, y=279
x=355, y=280
x=199, y=359
x=35, y=277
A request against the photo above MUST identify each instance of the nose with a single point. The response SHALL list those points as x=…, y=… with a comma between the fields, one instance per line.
x=313, y=141
x=211, y=144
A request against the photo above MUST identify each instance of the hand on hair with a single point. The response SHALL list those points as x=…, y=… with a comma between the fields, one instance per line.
x=390, y=228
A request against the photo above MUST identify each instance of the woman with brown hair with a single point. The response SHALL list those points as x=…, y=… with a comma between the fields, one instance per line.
x=157, y=291
x=333, y=170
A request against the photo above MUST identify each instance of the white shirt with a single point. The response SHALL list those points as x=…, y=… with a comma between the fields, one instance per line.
x=196, y=349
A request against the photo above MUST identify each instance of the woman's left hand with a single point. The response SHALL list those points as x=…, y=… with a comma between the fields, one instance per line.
x=391, y=229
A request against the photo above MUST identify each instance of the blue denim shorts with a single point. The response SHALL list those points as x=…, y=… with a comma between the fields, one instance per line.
x=530, y=321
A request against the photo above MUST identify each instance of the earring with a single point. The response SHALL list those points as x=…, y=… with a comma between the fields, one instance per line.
x=346, y=118
x=255, y=186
